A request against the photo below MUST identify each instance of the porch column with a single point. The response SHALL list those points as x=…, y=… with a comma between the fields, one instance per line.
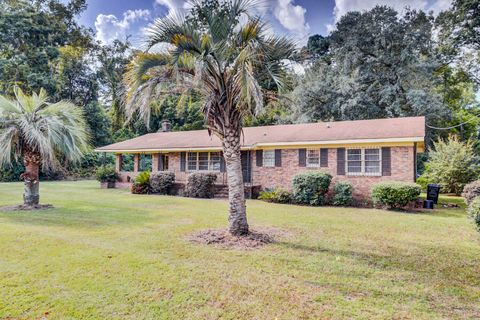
x=155, y=159
x=118, y=162
x=136, y=162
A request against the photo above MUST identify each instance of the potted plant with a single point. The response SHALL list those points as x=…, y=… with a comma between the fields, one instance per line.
x=107, y=176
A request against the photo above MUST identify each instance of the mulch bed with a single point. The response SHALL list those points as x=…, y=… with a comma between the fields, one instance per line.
x=221, y=238
x=22, y=207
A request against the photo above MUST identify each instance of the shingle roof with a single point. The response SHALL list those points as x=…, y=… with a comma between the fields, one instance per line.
x=396, y=129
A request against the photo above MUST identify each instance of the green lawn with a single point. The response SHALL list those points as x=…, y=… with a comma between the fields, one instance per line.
x=107, y=254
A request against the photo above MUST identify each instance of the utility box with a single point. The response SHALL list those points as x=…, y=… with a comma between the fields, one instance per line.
x=433, y=191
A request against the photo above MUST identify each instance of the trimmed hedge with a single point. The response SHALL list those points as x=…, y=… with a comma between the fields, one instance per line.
x=201, y=185
x=141, y=185
x=474, y=212
x=342, y=193
x=311, y=187
x=161, y=182
x=471, y=191
x=395, y=194
x=276, y=195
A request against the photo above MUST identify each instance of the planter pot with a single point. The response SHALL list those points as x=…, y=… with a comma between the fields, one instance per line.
x=107, y=185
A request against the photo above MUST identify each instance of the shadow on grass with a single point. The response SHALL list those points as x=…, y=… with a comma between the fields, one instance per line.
x=431, y=262
x=445, y=213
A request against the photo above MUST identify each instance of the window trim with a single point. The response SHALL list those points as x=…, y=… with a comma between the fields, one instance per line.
x=197, y=161
x=363, y=160
x=268, y=165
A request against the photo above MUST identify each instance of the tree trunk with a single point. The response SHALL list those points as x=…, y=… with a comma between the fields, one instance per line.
x=31, y=196
x=237, y=215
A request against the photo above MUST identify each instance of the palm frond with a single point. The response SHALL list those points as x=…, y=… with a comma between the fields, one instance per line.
x=211, y=51
x=47, y=129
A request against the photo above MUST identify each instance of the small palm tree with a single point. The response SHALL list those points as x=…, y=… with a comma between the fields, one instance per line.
x=228, y=62
x=39, y=132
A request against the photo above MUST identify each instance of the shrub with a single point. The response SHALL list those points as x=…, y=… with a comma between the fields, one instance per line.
x=342, y=193
x=395, y=194
x=474, y=212
x=161, y=182
x=201, y=185
x=276, y=195
x=106, y=174
x=141, y=185
x=471, y=191
x=452, y=164
x=422, y=182
x=311, y=187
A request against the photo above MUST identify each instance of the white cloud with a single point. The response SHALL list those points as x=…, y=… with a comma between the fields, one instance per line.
x=175, y=7
x=109, y=27
x=291, y=17
x=344, y=6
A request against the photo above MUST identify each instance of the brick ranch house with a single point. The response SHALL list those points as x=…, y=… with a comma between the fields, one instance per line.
x=363, y=152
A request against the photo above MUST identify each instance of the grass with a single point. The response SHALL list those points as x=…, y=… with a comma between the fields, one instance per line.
x=107, y=254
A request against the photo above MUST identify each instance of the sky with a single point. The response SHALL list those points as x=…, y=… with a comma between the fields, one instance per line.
x=297, y=19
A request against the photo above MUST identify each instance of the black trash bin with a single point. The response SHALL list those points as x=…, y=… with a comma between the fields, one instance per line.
x=433, y=191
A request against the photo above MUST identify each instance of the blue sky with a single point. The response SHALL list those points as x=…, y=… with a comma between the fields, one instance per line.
x=297, y=19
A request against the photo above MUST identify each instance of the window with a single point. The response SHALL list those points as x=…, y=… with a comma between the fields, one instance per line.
x=372, y=161
x=363, y=162
x=313, y=158
x=203, y=161
x=215, y=160
x=354, y=161
x=269, y=158
x=192, y=161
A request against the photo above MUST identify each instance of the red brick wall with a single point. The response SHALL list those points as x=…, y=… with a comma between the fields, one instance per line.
x=401, y=167
x=173, y=166
x=402, y=170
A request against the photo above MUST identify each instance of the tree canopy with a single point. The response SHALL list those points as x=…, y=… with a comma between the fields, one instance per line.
x=379, y=65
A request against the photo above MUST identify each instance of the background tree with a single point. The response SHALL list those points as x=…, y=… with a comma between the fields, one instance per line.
x=79, y=83
x=379, y=65
x=459, y=36
x=43, y=46
x=39, y=132
x=452, y=164
x=113, y=60
x=32, y=33
x=219, y=58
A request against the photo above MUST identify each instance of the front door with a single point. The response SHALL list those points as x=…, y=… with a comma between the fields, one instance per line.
x=162, y=162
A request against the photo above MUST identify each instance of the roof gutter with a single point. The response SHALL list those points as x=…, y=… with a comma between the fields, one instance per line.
x=271, y=144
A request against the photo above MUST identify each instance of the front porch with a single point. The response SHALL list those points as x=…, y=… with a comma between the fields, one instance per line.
x=129, y=165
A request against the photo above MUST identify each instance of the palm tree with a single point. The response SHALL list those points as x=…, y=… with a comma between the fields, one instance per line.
x=39, y=132
x=229, y=63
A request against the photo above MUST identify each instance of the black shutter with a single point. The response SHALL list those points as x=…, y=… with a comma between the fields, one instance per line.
x=302, y=157
x=183, y=157
x=222, y=163
x=160, y=162
x=259, y=157
x=278, y=157
x=341, y=161
x=386, y=161
x=323, y=157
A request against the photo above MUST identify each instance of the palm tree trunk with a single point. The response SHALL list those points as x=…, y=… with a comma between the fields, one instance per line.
x=31, y=196
x=237, y=215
